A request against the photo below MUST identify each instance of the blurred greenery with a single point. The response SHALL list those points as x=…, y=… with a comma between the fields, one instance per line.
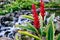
x=25, y=5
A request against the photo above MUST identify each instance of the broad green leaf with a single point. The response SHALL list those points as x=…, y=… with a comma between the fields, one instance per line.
x=50, y=32
x=32, y=27
x=36, y=31
x=50, y=28
x=28, y=34
x=58, y=38
x=29, y=27
x=28, y=16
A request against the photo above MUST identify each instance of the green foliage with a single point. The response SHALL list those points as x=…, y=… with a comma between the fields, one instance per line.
x=52, y=5
x=51, y=18
x=28, y=34
x=28, y=16
x=47, y=31
x=28, y=27
x=41, y=26
x=57, y=1
x=16, y=5
x=50, y=30
x=58, y=38
x=24, y=4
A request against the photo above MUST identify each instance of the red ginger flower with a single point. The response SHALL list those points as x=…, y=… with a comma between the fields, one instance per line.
x=42, y=10
x=35, y=16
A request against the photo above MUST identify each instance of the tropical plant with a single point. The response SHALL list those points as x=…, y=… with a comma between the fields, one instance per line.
x=47, y=30
x=38, y=28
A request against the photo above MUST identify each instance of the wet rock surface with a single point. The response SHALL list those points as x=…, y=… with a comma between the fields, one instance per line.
x=7, y=22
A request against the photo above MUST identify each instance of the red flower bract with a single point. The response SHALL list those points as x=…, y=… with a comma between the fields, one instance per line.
x=42, y=10
x=35, y=16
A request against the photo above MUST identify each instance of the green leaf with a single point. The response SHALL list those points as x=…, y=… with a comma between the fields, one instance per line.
x=28, y=16
x=36, y=31
x=50, y=31
x=58, y=38
x=29, y=27
x=28, y=34
x=50, y=28
x=51, y=18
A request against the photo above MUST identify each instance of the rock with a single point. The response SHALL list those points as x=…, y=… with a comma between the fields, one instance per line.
x=5, y=38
